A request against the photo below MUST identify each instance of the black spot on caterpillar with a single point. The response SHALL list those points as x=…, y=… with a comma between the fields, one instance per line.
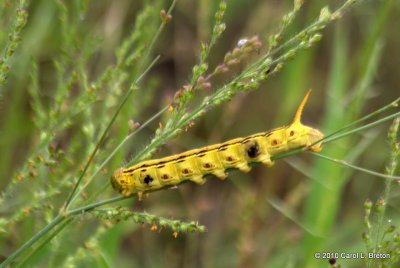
x=237, y=153
x=148, y=179
x=253, y=150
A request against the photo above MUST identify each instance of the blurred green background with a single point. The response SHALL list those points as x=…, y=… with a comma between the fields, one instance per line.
x=270, y=217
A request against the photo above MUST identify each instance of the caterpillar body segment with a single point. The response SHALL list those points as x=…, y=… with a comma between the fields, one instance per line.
x=237, y=153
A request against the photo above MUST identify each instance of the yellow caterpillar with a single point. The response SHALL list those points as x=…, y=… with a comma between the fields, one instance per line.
x=237, y=153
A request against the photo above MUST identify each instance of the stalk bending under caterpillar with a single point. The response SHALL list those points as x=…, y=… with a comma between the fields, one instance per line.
x=237, y=153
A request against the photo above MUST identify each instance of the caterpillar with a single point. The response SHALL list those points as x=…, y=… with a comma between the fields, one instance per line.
x=237, y=153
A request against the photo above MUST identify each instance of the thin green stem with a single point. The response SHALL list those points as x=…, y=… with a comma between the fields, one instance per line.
x=181, y=123
x=100, y=190
x=71, y=197
x=46, y=241
x=58, y=219
x=393, y=104
x=128, y=137
x=86, y=208
x=313, y=28
x=377, y=122
x=342, y=162
x=327, y=140
x=97, y=147
x=157, y=34
x=390, y=170
x=111, y=155
x=154, y=39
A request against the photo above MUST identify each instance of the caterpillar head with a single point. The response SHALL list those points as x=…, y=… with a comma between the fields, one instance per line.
x=121, y=182
x=299, y=135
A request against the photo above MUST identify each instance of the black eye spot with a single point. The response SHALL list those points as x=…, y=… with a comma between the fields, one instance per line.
x=229, y=158
x=148, y=179
x=253, y=150
x=291, y=133
x=275, y=142
x=165, y=176
x=185, y=171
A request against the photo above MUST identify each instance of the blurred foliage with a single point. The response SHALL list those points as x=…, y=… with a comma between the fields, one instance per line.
x=66, y=65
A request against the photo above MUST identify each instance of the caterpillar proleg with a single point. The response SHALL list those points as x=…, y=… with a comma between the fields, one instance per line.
x=237, y=153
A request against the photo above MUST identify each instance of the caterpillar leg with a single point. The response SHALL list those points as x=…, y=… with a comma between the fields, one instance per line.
x=198, y=179
x=316, y=148
x=244, y=167
x=220, y=174
x=266, y=160
x=126, y=192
